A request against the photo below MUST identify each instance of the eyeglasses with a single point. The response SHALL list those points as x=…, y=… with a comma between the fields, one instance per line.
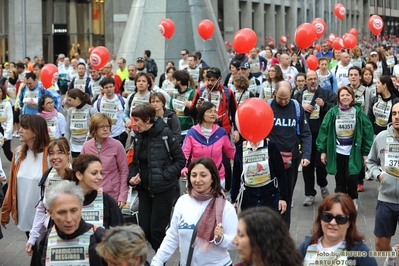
x=156, y=101
x=50, y=103
x=104, y=127
x=339, y=219
x=272, y=70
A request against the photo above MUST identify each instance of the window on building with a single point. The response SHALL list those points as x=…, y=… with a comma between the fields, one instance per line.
x=372, y=3
x=379, y=3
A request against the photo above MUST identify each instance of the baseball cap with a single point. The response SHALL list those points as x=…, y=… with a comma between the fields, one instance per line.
x=139, y=59
x=244, y=65
x=373, y=53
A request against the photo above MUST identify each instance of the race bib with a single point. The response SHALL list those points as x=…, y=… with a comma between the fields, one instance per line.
x=109, y=108
x=215, y=98
x=31, y=98
x=345, y=123
x=241, y=97
x=178, y=104
x=252, y=86
x=130, y=86
x=94, y=212
x=381, y=112
x=79, y=122
x=392, y=157
x=52, y=126
x=307, y=99
x=267, y=90
x=79, y=84
x=256, y=167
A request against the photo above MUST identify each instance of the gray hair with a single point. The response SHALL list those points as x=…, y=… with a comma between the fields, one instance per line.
x=63, y=187
x=123, y=242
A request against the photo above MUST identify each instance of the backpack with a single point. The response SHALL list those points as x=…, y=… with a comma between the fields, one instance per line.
x=151, y=66
x=298, y=114
x=119, y=97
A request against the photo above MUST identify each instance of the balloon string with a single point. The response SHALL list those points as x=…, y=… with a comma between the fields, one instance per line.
x=166, y=48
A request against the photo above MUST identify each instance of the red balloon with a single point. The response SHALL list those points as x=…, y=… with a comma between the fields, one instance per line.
x=206, y=29
x=47, y=75
x=167, y=28
x=350, y=41
x=99, y=57
x=339, y=11
x=320, y=27
x=354, y=32
x=254, y=119
x=312, y=62
x=283, y=39
x=317, y=46
x=271, y=43
x=337, y=44
x=305, y=35
x=376, y=24
x=331, y=37
x=288, y=36
x=244, y=40
x=91, y=49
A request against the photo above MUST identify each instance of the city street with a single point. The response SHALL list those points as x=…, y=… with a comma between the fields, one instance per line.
x=12, y=246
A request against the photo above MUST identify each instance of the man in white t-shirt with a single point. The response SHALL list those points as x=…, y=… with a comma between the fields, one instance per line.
x=112, y=104
x=340, y=71
x=289, y=72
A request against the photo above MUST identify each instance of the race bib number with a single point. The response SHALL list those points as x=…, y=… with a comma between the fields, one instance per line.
x=110, y=109
x=381, y=112
x=215, y=98
x=178, y=104
x=307, y=99
x=256, y=167
x=345, y=124
x=52, y=126
x=392, y=157
x=79, y=119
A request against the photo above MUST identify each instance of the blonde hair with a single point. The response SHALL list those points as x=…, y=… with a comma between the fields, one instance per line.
x=123, y=243
x=95, y=122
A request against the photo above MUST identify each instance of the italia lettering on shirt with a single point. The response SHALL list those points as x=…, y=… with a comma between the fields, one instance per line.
x=284, y=122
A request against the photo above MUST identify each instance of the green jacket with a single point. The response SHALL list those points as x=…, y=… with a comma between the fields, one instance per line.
x=361, y=145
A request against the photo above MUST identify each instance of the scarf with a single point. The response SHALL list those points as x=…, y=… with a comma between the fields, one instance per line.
x=344, y=108
x=47, y=115
x=211, y=217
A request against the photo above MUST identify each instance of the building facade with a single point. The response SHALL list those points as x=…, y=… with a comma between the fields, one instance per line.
x=49, y=27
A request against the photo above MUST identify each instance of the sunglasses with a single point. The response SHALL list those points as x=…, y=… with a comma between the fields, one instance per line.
x=339, y=219
x=183, y=54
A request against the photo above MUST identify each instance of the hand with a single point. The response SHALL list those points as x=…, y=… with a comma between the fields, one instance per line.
x=135, y=180
x=199, y=103
x=187, y=103
x=282, y=206
x=308, y=108
x=320, y=102
x=218, y=233
x=380, y=177
x=305, y=162
x=4, y=225
x=236, y=136
x=365, y=159
x=28, y=249
x=121, y=204
x=125, y=94
x=128, y=124
x=323, y=158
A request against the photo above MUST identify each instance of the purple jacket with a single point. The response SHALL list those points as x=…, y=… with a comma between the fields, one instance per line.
x=196, y=145
x=114, y=163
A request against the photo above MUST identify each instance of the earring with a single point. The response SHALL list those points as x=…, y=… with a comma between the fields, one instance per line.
x=146, y=125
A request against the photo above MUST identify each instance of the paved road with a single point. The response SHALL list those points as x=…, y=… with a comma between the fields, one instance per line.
x=12, y=246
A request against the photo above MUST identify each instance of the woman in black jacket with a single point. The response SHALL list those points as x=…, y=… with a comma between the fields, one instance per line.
x=155, y=171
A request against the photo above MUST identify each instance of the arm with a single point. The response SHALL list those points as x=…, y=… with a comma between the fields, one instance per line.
x=114, y=213
x=126, y=113
x=88, y=87
x=123, y=172
x=373, y=160
x=335, y=85
x=237, y=171
x=228, y=148
x=321, y=141
x=61, y=124
x=187, y=150
x=233, y=106
x=71, y=84
x=306, y=136
x=370, y=113
x=134, y=166
x=171, y=241
x=37, y=227
x=331, y=100
x=368, y=133
x=8, y=123
x=193, y=108
x=229, y=222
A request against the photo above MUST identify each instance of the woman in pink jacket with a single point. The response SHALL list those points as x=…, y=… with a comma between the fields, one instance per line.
x=207, y=139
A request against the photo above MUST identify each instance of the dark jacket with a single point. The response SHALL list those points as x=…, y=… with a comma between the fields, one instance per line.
x=39, y=252
x=364, y=261
x=112, y=214
x=173, y=122
x=370, y=114
x=276, y=166
x=329, y=98
x=163, y=167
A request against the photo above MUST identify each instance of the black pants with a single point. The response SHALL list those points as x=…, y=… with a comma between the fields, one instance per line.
x=344, y=182
x=308, y=172
x=154, y=215
x=292, y=176
x=361, y=175
x=227, y=171
x=6, y=146
x=122, y=138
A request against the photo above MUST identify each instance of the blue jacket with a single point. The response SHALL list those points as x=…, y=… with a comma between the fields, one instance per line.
x=328, y=54
x=26, y=109
x=363, y=261
x=87, y=86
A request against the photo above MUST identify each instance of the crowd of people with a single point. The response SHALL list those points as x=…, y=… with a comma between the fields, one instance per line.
x=70, y=178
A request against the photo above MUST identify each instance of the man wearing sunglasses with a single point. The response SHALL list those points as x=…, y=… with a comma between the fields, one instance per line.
x=383, y=163
x=183, y=62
